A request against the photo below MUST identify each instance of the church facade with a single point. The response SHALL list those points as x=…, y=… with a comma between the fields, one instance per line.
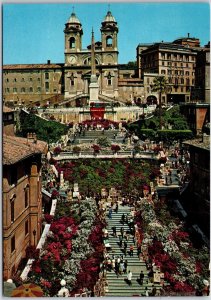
x=77, y=67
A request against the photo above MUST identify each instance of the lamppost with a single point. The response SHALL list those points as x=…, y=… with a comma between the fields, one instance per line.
x=34, y=234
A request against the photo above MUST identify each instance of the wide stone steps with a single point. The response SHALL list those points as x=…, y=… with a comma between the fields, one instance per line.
x=117, y=286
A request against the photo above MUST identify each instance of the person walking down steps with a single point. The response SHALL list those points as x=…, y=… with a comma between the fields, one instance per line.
x=110, y=213
x=129, y=277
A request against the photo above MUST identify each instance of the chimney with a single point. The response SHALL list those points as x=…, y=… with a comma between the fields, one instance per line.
x=188, y=34
x=48, y=62
x=31, y=137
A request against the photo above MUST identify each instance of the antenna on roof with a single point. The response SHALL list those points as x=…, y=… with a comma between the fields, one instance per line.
x=73, y=8
x=109, y=7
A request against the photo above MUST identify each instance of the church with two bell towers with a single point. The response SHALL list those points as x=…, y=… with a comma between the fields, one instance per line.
x=77, y=68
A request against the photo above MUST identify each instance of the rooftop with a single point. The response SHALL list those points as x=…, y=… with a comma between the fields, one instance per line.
x=7, y=109
x=32, y=66
x=200, y=143
x=18, y=148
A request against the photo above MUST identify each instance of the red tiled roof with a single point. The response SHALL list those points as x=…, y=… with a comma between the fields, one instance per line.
x=7, y=109
x=17, y=148
x=32, y=66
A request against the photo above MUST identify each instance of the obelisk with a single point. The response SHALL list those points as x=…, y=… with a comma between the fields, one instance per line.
x=93, y=87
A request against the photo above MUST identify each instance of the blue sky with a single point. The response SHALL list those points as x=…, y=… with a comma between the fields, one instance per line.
x=33, y=33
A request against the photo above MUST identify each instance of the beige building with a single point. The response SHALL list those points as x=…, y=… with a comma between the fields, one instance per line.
x=202, y=85
x=22, y=198
x=68, y=83
x=35, y=83
x=176, y=63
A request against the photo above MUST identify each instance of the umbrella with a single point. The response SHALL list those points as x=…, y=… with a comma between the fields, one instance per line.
x=8, y=288
x=28, y=290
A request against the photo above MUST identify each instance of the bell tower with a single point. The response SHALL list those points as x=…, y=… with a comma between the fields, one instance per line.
x=73, y=39
x=109, y=31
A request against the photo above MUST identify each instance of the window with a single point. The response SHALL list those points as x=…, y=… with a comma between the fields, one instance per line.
x=163, y=71
x=23, y=90
x=162, y=55
x=187, y=73
x=38, y=79
x=169, y=63
x=30, y=79
x=169, y=72
x=188, y=81
x=170, y=80
x=7, y=80
x=109, y=41
x=47, y=86
x=14, y=90
x=176, y=72
x=26, y=196
x=182, y=80
x=31, y=89
x=22, y=79
x=72, y=82
x=12, y=208
x=181, y=64
x=8, y=90
x=38, y=89
x=26, y=227
x=12, y=244
x=181, y=89
x=182, y=72
x=109, y=78
x=72, y=43
x=163, y=63
x=175, y=64
x=15, y=80
x=168, y=56
x=46, y=76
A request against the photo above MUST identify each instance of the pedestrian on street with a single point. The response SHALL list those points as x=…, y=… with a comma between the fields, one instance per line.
x=110, y=213
x=113, y=263
x=125, y=248
x=141, y=278
x=120, y=241
x=154, y=291
x=125, y=266
x=126, y=219
x=139, y=250
x=117, y=268
x=129, y=277
x=121, y=267
x=131, y=250
x=123, y=219
x=114, y=231
x=122, y=231
x=116, y=208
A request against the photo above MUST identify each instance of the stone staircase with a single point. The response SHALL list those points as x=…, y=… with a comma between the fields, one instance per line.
x=91, y=136
x=117, y=286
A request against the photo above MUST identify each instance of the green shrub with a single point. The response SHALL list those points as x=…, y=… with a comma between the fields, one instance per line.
x=171, y=135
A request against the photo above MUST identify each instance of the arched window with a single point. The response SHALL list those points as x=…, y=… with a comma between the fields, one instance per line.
x=109, y=41
x=72, y=42
x=12, y=207
x=26, y=195
x=87, y=61
x=109, y=78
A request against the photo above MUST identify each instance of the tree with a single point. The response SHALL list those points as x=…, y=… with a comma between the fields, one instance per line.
x=159, y=85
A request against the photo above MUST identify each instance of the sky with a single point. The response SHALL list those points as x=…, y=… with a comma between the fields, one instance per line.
x=33, y=33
